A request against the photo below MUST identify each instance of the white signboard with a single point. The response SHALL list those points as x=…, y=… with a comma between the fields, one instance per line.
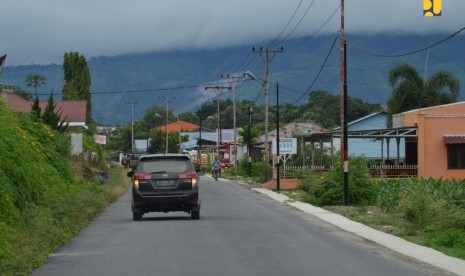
x=101, y=139
x=286, y=146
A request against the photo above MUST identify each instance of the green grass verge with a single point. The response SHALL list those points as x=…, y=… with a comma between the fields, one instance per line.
x=42, y=229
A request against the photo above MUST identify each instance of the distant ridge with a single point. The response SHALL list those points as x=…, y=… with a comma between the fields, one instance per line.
x=142, y=77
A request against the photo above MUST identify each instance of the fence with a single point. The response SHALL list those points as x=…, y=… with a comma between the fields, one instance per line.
x=393, y=171
x=376, y=171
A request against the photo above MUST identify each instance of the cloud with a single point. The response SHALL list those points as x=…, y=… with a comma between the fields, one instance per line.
x=40, y=32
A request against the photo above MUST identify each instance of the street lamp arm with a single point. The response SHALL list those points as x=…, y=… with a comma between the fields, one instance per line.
x=253, y=77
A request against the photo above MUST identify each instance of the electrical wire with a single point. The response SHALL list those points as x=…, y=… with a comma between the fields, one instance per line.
x=319, y=72
x=258, y=95
x=322, y=26
x=407, y=53
x=298, y=23
x=139, y=91
x=287, y=25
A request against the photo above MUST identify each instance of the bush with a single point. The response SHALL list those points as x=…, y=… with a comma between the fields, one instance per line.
x=256, y=169
x=362, y=190
x=448, y=238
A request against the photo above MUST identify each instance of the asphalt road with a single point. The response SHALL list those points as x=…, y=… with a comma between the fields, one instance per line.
x=240, y=232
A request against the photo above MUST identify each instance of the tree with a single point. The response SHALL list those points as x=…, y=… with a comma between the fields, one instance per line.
x=36, y=111
x=323, y=108
x=410, y=90
x=246, y=136
x=52, y=117
x=77, y=80
x=35, y=81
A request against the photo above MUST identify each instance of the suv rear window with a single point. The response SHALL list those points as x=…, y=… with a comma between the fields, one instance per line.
x=169, y=165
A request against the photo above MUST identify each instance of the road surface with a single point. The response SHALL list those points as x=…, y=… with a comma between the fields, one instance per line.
x=240, y=232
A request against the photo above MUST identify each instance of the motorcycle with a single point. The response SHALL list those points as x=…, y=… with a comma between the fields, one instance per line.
x=215, y=172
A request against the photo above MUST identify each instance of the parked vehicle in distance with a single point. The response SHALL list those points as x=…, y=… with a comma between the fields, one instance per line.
x=165, y=183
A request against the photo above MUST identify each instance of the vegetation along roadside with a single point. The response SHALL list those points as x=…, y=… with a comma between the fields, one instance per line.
x=428, y=212
x=46, y=197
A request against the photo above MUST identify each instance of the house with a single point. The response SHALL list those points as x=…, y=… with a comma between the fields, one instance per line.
x=439, y=146
x=178, y=126
x=73, y=112
x=290, y=129
x=364, y=138
x=369, y=136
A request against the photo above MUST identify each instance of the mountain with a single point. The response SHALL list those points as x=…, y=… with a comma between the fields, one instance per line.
x=143, y=77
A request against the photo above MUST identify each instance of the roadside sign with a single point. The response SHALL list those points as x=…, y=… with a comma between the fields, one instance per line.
x=286, y=146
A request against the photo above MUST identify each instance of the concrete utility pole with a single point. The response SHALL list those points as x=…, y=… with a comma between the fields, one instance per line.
x=167, y=100
x=218, y=89
x=132, y=103
x=232, y=80
x=105, y=118
x=343, y=103
x=267, y=61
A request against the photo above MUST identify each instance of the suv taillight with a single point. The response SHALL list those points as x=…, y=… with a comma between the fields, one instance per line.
x=189, y=176
x=141, y=177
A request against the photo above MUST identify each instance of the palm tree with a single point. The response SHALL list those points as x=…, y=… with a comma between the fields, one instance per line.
x=410, y=90
x=35, y=81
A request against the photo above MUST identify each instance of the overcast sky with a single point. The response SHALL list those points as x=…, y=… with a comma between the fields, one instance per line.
x=41, y=31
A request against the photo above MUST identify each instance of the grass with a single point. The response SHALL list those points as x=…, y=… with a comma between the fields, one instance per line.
x=46, y=197
x=449, y=240
x=43, y=229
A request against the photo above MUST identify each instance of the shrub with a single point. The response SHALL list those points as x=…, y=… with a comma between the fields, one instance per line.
x=418, y=206
x=256, y=169
x=448, y=238
x=362, y=190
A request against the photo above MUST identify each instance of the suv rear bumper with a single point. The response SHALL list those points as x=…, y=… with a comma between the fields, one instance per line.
x=165, y=203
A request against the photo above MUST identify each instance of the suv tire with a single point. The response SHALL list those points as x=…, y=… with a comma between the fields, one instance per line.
x=136, y=215
x=195, y=214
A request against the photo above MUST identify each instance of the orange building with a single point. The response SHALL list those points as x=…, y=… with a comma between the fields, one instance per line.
x=439, y=148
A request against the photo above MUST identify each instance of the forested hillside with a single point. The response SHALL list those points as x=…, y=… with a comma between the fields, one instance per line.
x=143, y=77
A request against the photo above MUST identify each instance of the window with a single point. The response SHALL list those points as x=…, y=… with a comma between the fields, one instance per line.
x=455, y=156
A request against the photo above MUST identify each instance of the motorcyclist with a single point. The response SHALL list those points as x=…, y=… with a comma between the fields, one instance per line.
x=215, y=166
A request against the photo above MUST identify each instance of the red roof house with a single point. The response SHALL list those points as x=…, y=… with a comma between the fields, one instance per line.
x=73, y=112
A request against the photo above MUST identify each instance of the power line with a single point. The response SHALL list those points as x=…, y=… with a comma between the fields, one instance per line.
x=407, y=53
x=319, y=72
x=287, y=25
x=322, y=26
x=298, y=23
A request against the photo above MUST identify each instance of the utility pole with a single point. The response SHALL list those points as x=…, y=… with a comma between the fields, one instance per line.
x=218, y=89
x=278, y=156
x=167, y=100
x=232, y=80
x=267, y=61
x=132, y=103
x=343, y=103
x=105, y=118
x=250, y=142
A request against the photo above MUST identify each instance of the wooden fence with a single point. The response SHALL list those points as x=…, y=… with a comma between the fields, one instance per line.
x=376, y=171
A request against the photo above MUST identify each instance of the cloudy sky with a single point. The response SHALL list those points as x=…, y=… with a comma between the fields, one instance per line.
x=41, y=31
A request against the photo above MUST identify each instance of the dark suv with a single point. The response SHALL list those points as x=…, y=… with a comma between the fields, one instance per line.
x=164, y=183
